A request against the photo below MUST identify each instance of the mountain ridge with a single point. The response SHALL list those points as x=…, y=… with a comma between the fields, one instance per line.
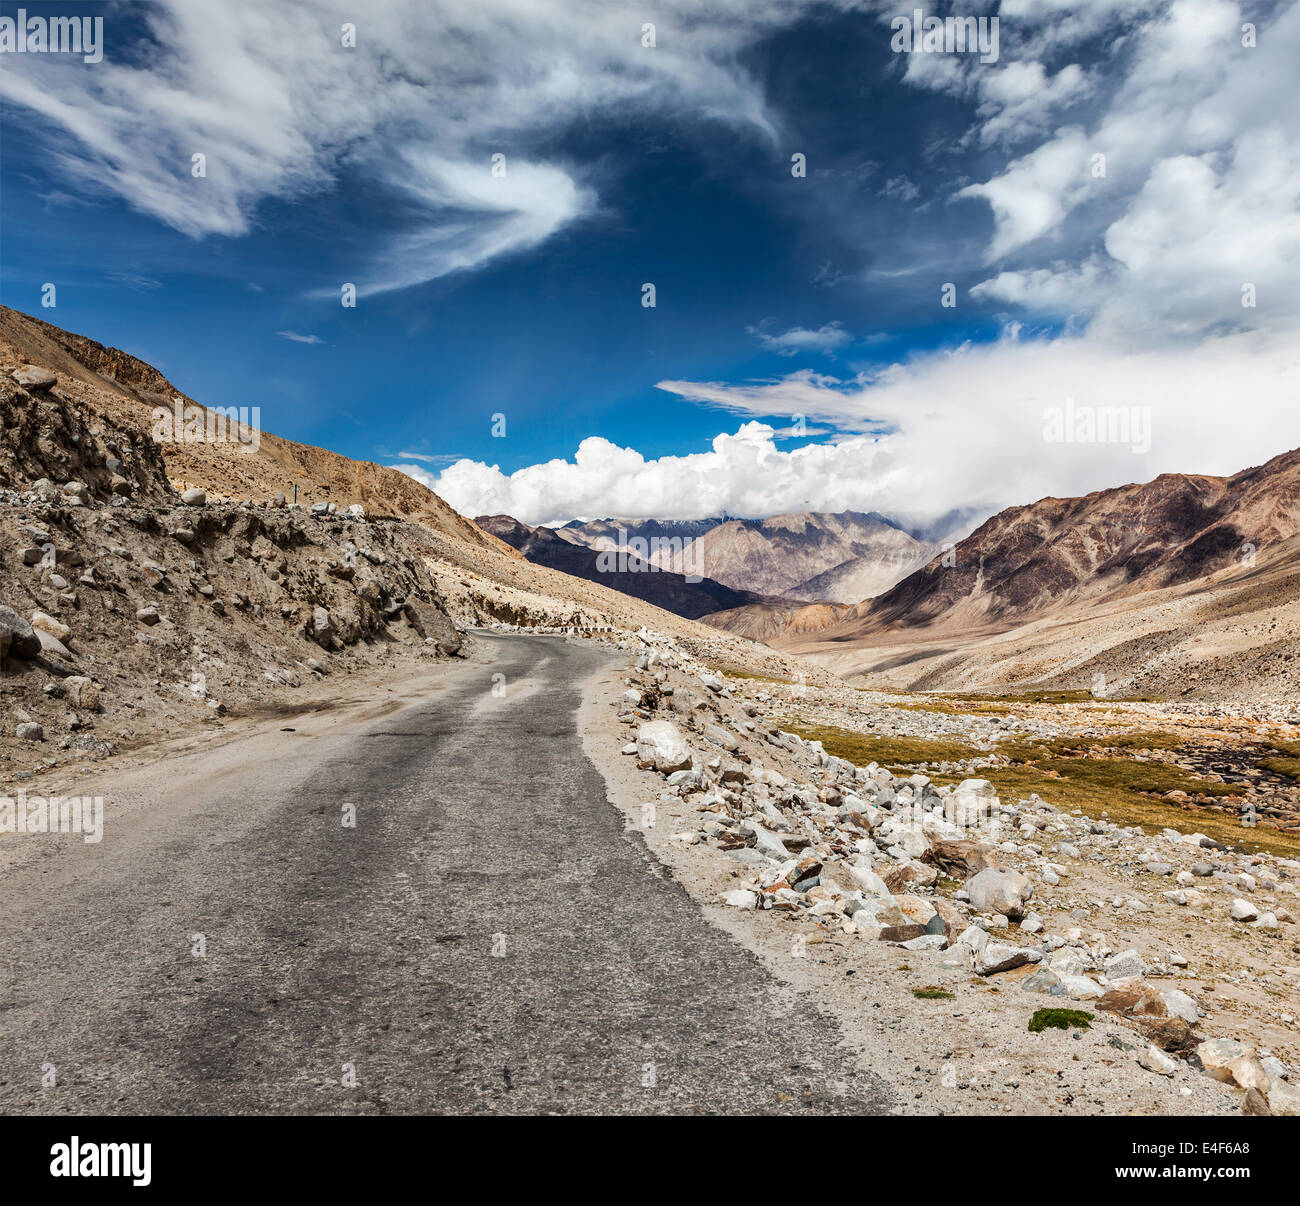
x=628, y=573
x=800, y=556
x=1187, y=583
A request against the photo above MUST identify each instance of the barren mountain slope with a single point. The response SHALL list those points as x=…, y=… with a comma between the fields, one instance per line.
x=866, y=577
x=1062, y=553
x=1234, y=634
x=769, y=621
x=126, y=391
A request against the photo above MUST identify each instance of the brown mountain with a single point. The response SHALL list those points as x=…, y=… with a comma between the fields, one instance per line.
x=1062, y=552
x=769, y=621
x=1183, y=583
x=127, y=392
x=628, y=574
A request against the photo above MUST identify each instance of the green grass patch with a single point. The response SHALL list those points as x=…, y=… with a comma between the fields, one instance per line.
x=1079, y=695
x=901, y=752
x=1014, y=697
x=953, y=709
x=1123, y=790
x=1290, y=767
x=1140, y=740
x=1283, y=747
x=1035, y=749
x=1105, y=789
x=1059, y=1019
x=932, y=992
x=736, y=672
x=1128, y=774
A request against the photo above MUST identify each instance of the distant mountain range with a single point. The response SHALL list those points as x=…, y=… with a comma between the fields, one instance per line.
x=1184, y=583
x=1063, y=552
x=690, y=597
x=807, y=556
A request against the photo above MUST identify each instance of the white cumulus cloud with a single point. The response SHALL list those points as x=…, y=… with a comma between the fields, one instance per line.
x=959, y=431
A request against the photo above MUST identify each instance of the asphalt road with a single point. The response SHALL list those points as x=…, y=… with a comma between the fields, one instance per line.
x=487, y=939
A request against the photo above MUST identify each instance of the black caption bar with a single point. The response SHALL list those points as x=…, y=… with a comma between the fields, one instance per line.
x=151, y=1155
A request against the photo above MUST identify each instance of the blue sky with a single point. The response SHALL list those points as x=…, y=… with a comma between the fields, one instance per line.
x=671, y=164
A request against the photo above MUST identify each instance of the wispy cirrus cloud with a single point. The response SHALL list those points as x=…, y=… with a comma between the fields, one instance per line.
x=825, y=338
x=136, y=281
x=282, y=102
x=295, y=337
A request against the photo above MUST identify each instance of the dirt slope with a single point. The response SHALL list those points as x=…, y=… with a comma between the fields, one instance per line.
x=126, y=391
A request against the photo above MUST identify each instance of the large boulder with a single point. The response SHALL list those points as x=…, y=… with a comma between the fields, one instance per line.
x=34, y=378
x=321, y=627
x=996, y=957
x=765, y=841
x=83, y=693
x=52, y=647
x=661, y=743
x=1217, y=1056
x=866, y=879
x=1169, y=1034
x=17, y=637
x=1284, y=1099
x=432, y=623
x=719, y=736
x=56, y=628
x=1155, y=1060
x=1124, y=965
x=994, y=891
x=1134, y=1001
x=897, y=876
x=960, y=858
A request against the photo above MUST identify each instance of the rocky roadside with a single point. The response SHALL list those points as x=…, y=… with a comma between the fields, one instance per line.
x=125, y=621
x=937, y=922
